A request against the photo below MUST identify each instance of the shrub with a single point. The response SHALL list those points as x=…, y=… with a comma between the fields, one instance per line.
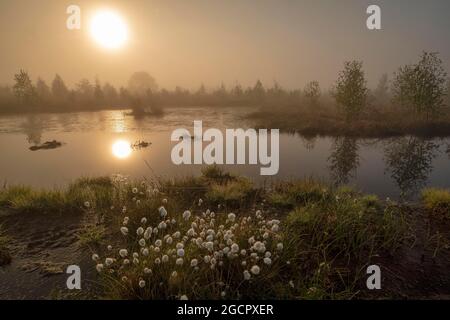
x=233, y=193
x=422, y=86
x=437, y=200
x=351, y=90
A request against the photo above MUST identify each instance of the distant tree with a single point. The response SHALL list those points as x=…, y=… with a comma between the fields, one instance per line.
x=140, y=82
x=23, y=87
x=85, y=90
x=237, y=91
x=59, y=89
x=42, y=89
x=109, y=92
x=382, y=90
x=124, y=95
x=221, y=94
x=201, y=91
x=98, y=92
x=258, y=92
x=276, y=92
x=421, y=86
x=312, y=92
x=350, y=90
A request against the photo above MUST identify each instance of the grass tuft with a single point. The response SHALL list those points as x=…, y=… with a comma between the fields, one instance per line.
x=437, y=200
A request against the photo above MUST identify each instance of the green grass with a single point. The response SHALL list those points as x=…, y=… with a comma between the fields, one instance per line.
x=236, y=193
x=437, y=200
x=329, y=235
x=91, y=236
x=98, y=192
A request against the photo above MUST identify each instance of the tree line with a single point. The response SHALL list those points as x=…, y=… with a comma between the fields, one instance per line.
x=421, y=88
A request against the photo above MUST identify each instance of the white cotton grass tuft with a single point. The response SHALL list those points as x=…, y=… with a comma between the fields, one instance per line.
x=124, y=230
x=162, y=212
x=180, y=245
x=186, y=215
x=196, y=242
x=255, y=270
x=184, y=297
x=99, y=267
x=259, y=246
x=180, y=252
x=123, y=253
x=147, y=270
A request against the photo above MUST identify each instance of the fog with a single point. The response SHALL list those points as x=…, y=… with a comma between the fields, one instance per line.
x=187, y=43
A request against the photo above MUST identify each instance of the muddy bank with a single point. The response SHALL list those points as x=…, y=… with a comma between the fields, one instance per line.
x=41, y=248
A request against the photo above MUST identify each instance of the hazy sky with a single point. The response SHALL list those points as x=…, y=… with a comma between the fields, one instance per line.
x=187, y=42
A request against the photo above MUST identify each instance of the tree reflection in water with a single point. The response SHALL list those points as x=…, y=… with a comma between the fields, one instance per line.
x=344, y=159
x=33, y=128
x=409, y=161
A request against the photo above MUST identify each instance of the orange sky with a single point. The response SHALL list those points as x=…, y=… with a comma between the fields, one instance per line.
x=188, y=42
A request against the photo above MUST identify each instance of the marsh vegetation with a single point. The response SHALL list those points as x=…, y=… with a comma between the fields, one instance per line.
x=218, y=236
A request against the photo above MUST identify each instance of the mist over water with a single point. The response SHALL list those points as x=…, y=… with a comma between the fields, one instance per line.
x=395, y=167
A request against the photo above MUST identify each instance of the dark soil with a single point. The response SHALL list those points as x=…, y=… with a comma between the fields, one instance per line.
x=421, y=269
x=42, y=247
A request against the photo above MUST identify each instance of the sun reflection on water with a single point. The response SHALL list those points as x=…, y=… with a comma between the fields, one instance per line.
x=118, y=122
x=121, y=149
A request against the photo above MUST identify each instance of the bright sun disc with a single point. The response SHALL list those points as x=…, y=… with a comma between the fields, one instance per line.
x=109, y=30
x=121, y=149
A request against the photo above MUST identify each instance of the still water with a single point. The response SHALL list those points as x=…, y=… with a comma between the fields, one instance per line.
x=97, y=143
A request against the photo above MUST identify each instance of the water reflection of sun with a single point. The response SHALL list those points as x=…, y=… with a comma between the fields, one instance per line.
x=121, y=149
x=118, y=122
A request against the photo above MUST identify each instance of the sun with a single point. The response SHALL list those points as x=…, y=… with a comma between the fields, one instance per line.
x=108, y=29
x=121, y=149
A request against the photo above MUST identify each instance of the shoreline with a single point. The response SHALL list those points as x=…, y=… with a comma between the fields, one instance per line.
x=354, y=229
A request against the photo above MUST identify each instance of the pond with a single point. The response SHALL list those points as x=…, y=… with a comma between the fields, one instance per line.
x=98, y=143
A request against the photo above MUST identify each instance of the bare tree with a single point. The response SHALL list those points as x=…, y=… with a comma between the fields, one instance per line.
x=312, y=92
